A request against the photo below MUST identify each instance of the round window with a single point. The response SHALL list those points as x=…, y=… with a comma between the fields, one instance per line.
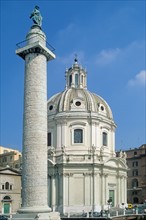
x=78, y=103
x=102, y=108
x=51, y=107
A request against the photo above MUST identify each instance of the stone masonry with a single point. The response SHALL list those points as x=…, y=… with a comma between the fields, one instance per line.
x=34, y=164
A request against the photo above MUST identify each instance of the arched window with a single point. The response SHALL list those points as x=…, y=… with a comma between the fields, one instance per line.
x=70, y=80
x=76, y=80
x=134, y=183
x=6, y=198
x=7, y=185
x=104, y=139
x=78, y=136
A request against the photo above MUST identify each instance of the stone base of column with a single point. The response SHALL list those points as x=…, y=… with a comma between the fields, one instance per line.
x=37, y=216
x=34, y=209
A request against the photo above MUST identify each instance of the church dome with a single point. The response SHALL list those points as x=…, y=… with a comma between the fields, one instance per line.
x=72, y=100
x=76, y=97
x=79, y=119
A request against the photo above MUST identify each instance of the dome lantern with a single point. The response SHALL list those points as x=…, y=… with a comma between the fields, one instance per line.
x=76, y=76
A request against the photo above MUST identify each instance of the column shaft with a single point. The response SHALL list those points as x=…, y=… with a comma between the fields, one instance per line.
x=34, y=176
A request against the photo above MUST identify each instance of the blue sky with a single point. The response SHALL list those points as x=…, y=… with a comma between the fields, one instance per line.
x=109, y=39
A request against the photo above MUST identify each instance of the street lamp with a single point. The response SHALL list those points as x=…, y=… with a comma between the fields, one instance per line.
x=109, y=202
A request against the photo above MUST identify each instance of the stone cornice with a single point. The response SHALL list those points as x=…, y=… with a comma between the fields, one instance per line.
x=36, y=47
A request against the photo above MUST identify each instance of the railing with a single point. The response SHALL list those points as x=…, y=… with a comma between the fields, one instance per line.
x=25, y=42
x=113, y=213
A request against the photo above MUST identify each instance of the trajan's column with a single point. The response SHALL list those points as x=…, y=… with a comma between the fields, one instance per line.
x=34, y=166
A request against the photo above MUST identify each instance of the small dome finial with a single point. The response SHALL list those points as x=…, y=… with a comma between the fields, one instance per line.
x=76, y=60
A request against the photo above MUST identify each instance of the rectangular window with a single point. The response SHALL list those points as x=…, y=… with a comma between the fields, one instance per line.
x=104, y=137
x=78, y=136
x=11, y=158
x=135, y=163
x=134, y=183
x=4, y=159
x=49, y=139
x=135, y=172
x=134, y=193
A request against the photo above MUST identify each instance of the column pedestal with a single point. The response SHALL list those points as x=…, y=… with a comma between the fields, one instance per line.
x=37, y=216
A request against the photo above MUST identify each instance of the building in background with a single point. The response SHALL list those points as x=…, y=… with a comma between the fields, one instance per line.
x=136, y=185
x=10, y=190
x=11, y=157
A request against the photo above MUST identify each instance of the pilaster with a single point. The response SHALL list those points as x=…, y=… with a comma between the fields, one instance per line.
x=59, y=135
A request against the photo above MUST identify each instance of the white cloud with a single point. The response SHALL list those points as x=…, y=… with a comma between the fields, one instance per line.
x=139, y=79
x=120, y=55
x=107, y=56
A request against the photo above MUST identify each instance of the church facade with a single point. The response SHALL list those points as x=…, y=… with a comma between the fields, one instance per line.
x=83, y=170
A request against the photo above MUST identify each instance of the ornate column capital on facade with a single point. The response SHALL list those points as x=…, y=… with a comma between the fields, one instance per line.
x=103, y=174
x=65, y=174
x=87, y=174
x=113, y=128
x=60, y=121
x=52, y=175
x=93, y=122
x=94, y=174
x=68, y=174
x=121, y=176
x=64, y=122
x=97, y=123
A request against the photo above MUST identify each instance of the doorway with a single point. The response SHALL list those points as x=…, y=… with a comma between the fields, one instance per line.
x=6, y=208
x=112, y=197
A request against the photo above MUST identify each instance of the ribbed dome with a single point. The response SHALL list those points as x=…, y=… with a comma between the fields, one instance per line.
x=76, y=97
x=73, y=99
